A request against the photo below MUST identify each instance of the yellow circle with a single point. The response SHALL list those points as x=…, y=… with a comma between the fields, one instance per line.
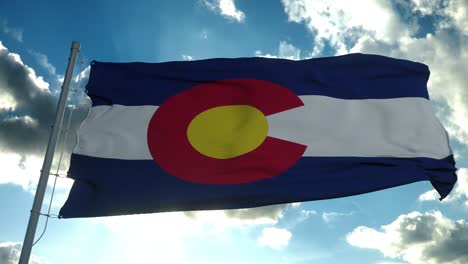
x=228, y=131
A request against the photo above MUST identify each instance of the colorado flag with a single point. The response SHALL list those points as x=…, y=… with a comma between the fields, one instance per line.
x=247, y=132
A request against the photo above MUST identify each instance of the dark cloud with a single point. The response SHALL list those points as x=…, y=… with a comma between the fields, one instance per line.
x=414, y=230
x=10, y=252
x=455, y=248
x=443, y=241
x=25, y=128
x=269, y=213
x=418, y=238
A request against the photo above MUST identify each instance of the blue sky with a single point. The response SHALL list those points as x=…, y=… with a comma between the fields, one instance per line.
x=406, y=224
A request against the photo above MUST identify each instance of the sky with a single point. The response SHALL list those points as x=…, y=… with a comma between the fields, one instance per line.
x=406, y=224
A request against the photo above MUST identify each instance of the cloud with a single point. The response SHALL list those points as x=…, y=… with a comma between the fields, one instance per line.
x=457, y=11
x=426, y=7
x=25, y=122
x=187, y=57
x=333, y=216
x=272, y=212
x=308, y=213
x=43, y=61
x=259, y=215
x=340, y=23
x=285, y=51
x=226, y=8
x=288, y=51
x=389, y=262
x=431, y=195
x=152, y=238
x=15, y=33
x=81, y=79
x=10, y=253
x=303, y=216
x=27, y=111
x=275, y=238
x=416, y=237
x=172, y=233
x=452, y=13
x=20, y=170
x=458, y=194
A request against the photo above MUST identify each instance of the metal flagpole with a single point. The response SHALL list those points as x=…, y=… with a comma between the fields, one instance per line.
x=49, y=156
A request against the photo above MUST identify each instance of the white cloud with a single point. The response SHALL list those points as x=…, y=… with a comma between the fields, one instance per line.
x=275, y=238
x=2, y=48
x=426, y=7
x=297, y=216
x=82, y=76
x=7, y=102
x=285, y=51
x=25, y=170
x=417, y=238
x=308, y=213
x=236, y=217
x=259, y=53
x=78, y=81
x=15, y=33
x=454, y=13
x=389, y=262
x=152, y=238
x=43, y=61
x=431, y=195
x=457, y=10
x=342, y=21
x=10, y=253
x=304, y=215
x=296, y=205
x=333, y=216
x=459, y=192
x=187, y=57
x=226, y=8
x=164, y=237
x=17, y=169
x=288, y=51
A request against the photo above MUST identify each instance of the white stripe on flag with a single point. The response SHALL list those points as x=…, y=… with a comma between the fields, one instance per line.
x=116, y=132
x=330, y=127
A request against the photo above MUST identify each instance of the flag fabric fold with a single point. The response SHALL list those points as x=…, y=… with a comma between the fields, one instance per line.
x=248, y=132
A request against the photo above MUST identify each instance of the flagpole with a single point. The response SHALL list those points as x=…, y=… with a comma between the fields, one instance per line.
x=49, y=156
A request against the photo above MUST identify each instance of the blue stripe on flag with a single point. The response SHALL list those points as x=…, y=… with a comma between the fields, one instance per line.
x=354, y=76
x=114, y=187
